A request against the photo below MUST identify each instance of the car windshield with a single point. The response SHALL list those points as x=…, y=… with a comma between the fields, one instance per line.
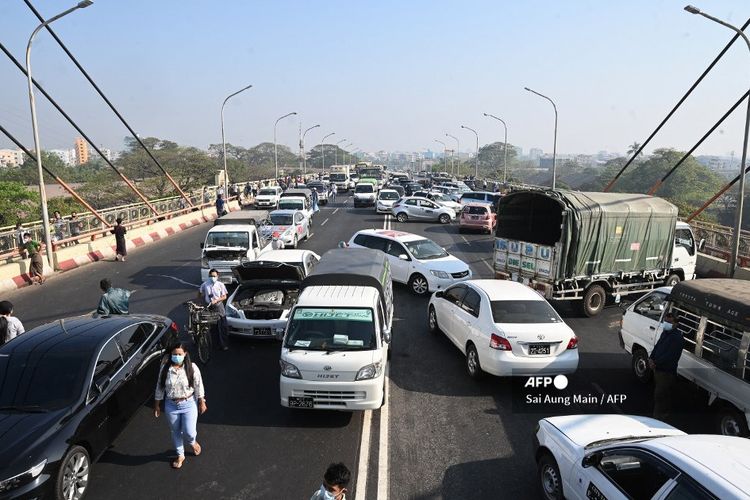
x=227, y=239
x=291, y=205
x=523, y=311
x=386, y=195
x=42, y=380
x=329, y=329
x=425, y=249
x=364, y=188
x=267, y=192
x=282, y=219
x=441, y=197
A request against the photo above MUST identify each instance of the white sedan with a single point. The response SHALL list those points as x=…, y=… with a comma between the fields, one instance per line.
x=504, y=328
x=618, y=457
x=287, y=227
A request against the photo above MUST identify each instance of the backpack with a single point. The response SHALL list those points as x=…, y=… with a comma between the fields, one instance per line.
x=3, y=329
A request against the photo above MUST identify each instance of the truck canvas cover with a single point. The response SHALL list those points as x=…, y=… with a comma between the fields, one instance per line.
x=252, y=217
x=723, y=298
x=352, y=267
x=589, y=233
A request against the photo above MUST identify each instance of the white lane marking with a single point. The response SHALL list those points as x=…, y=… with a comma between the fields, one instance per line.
x=603, y=395
x=467, y=241
x=364, y=456
x=383, y=444
x=324, y=222
x=310, y=235
x=336, y=210
x=488, y=265
x=174, y=278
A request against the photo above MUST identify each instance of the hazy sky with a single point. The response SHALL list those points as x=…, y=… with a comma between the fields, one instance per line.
x=386, y=74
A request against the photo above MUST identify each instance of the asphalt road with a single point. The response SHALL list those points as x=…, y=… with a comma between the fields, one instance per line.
x=440, y=435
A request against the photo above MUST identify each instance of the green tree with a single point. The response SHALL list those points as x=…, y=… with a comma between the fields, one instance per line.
x=27, y=173
x=633, y=148
x=491, y=157
x=17, y=202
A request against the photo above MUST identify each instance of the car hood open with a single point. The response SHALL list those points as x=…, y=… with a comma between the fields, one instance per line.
x=267, y=270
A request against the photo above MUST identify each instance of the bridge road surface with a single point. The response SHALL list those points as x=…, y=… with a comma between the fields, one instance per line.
x=446, y=435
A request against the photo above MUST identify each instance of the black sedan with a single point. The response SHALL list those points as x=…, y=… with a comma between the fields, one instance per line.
x=67, y=389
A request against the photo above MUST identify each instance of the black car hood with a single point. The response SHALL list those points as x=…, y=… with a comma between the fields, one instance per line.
x=21, y=437
x=267, y=270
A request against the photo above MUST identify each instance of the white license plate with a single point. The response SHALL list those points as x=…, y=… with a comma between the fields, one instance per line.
x=262, y=331
x=296, y=402
x=537, y=349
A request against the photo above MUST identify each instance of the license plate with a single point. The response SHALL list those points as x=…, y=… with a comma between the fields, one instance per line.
x=473, y=217
x=296, y=402
x=262, y=331
x=538, y=349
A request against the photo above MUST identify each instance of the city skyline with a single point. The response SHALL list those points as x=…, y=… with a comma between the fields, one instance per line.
x=398, y=87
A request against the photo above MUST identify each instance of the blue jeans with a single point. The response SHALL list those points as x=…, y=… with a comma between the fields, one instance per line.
x=182, y=418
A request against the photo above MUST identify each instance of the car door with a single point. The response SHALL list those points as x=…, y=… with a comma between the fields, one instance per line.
x=642, y=321
x=412, y=210
x=400, y=268
x=683, y=255
x=467, y=317
x=299, y=224
x=427, y=209
x=624, y=473
x=142, y=354
x=446, y=309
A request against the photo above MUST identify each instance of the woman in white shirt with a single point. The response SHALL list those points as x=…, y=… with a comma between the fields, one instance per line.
x=180, y=385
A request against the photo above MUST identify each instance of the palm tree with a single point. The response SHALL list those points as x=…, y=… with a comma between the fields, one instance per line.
x=633, y=148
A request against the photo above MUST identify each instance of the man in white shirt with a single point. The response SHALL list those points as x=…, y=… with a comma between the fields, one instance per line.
x=12, y=327
x=214, y=293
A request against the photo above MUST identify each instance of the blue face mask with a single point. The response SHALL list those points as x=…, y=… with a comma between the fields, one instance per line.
x=325, y=494
x=177, y=359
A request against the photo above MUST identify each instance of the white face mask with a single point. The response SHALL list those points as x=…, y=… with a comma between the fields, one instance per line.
x=667, y=326
x=214, y=279
x=327, y=495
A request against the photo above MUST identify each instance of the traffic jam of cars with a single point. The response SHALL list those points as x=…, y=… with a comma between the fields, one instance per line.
x=333, y=315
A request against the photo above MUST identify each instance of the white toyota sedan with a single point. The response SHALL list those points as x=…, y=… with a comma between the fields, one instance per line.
x=288, y=227
x=504, y=328
x=619, y=457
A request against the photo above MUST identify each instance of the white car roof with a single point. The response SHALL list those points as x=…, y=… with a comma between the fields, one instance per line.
x=386, y=190
x=338, y=296
x=286, y=211
x=506, y=290
x=290, y=255
x=393, y=234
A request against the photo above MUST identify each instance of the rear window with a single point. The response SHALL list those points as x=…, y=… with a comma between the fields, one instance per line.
x=472, y=196
x=475, y=210
x=523, y=311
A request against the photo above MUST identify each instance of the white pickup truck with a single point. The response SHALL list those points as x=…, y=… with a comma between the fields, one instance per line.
x=229, y=245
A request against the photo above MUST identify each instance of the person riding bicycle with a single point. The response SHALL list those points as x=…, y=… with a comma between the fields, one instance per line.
x=214, y=293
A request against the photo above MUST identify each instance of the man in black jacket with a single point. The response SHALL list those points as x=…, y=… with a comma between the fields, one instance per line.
x=663, y=361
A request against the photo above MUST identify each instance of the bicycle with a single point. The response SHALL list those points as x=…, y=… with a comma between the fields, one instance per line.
x=200, y=320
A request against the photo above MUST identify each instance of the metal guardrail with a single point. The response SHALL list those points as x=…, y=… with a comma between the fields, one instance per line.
x=718, y=241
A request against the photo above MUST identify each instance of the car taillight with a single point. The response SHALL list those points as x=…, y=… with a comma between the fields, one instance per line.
x=573, y=343
x=486, y=216
x=499, y=343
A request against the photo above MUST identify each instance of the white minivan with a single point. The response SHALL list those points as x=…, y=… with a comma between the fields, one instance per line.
x=337, y=337
x=713, y=316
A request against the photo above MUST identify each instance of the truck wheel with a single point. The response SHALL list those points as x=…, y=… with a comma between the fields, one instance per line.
x=641, y=370
x=731, y=422
x=672, y=280
x=594, y=299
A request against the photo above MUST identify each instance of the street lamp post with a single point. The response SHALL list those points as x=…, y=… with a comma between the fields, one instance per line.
x=223, y=141
x=346, y=152
x=35, y=128
x=322, y=148
x=302, y=147
x=505, y=147
x=275, y=146
x=445, y=158
x=554, y=143
x=336, y=152
x=741, y=198
x=476, y=159
x=458, y=152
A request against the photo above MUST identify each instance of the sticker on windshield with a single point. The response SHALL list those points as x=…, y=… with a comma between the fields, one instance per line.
x=364, y=315
x=302, y=343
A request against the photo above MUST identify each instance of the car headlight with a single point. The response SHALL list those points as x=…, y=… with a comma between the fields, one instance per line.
x=232, y=312
x=369, y=372
x=22, y=478
x=440, y=274
x=289, y=370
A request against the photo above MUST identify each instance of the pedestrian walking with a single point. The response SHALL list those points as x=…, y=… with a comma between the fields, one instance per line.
x=221, y=206
x=214, y=294
x=180, y=386
x=663, y=361
x=10, y=326
x=74, y=226
x=220, y=191
x=119, y=231
x=332, y=194
x=335, y=482
x=19, y=232
x=315, y=200
x=36, y=268
x=206, y=196
x=113, y=300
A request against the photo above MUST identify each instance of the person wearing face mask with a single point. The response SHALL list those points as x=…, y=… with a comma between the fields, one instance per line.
x=180, y=386
x=335, y=481
x=33, y=249
x=663, y=361
x=214, y=293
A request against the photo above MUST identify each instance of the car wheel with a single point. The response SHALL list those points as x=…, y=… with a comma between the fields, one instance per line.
x=295, y=242
x=549, y=478
x=432, y=322
x=672, y=280
x=594, y=299
x=401, y=217
x=641, y=370
x=73, y=476
x=731, y=422
x=472, y=362
x=418, y=284
x=444, y=218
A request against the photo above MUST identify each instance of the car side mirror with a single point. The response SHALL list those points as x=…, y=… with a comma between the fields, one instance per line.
x=591, y=460
x=403, y=256
x=387, y=335
x=201, y=244
x=701, y=244
x=439, y=294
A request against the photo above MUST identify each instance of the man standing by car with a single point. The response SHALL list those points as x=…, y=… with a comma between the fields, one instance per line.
x=113, y=300
x=663, y=361
x=214, y=294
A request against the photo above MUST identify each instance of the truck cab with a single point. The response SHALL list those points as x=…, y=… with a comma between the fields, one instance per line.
x=684, y=254
x=229, y=245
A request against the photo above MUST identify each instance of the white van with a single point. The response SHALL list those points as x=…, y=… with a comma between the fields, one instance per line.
x=713, y=316
x=337, y=337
